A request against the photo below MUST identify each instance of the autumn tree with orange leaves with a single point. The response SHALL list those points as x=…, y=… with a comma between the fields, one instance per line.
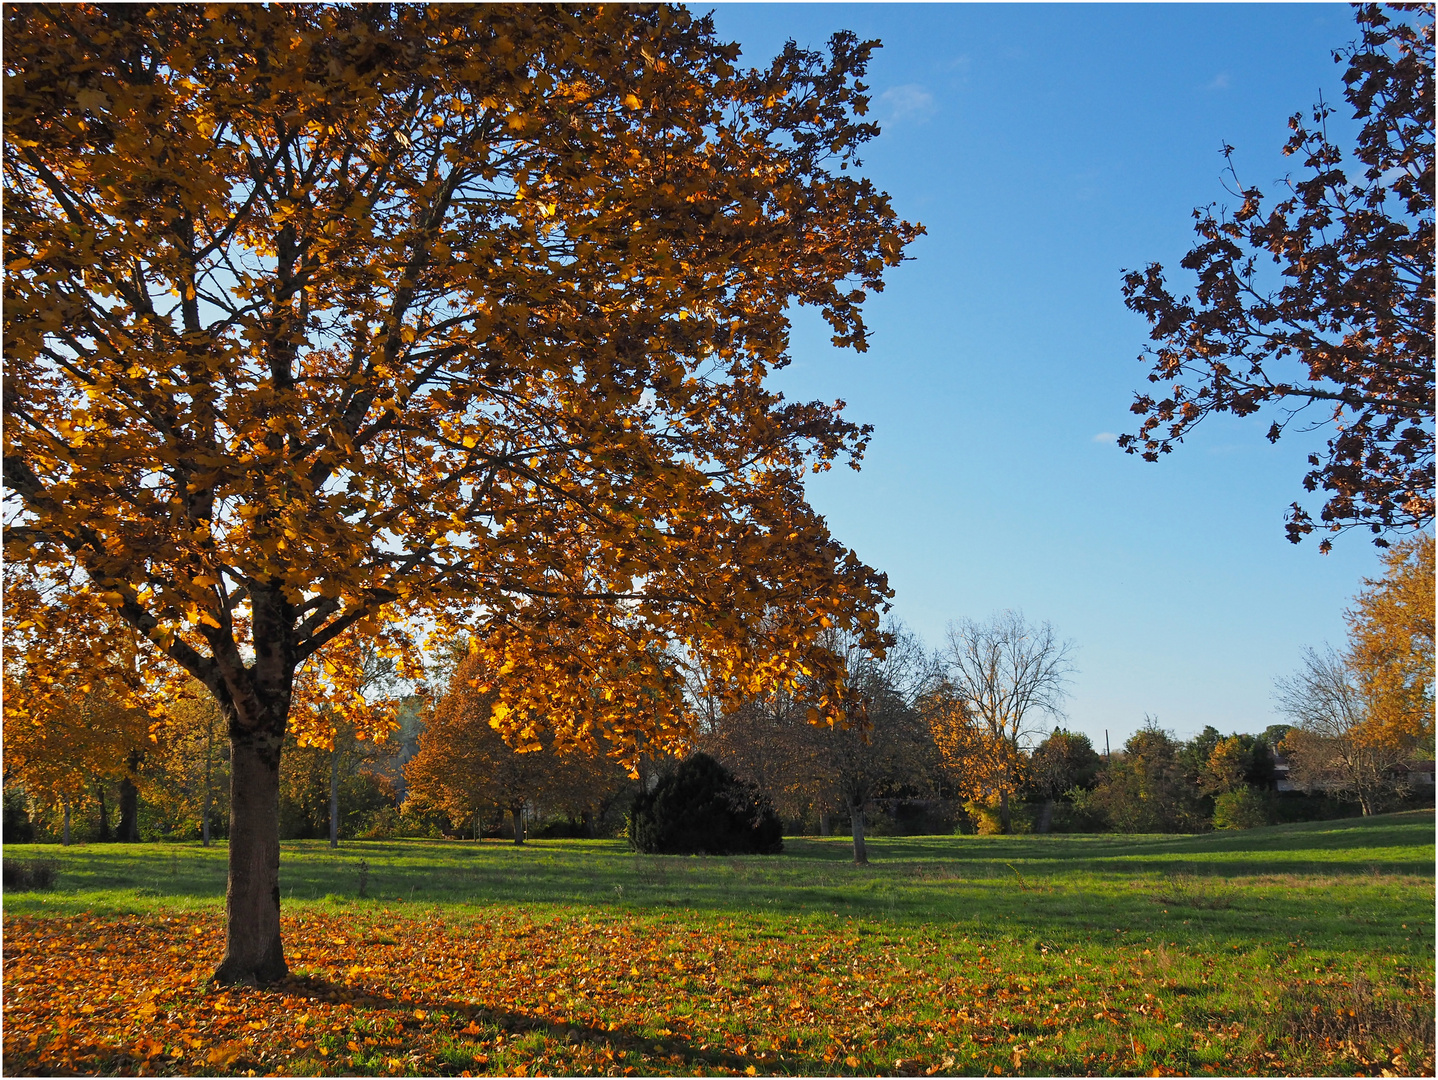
x=464, y=767
x=1390, y=645
x=1364, y=714
x=999, y=676
x=322, y=316
x=73, y=722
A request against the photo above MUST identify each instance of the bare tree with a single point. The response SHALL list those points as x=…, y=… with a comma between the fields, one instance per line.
x=1330, y=747
x=884, y=739
x=1010, y=674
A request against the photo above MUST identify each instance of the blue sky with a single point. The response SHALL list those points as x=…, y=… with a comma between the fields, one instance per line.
x=1046, y=149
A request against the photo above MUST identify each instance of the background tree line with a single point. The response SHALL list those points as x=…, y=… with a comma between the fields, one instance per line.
x=968, y=737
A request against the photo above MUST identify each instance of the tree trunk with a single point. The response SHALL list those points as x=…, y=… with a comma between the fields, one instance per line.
x=254, y=954
x=104, y=817
x=209, y=757
x=129, y=830
x=1046, y=817
x=825, y=828
x=130, y=802
x=856, y=821
x=65, y=803
x=1006, y=820
x=517, y=813
x=335, y=794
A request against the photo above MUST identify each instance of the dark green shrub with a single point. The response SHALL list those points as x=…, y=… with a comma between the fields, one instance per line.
x=23, y=876
x=18, y=828
x=699, y=808
x=1295, y=806
x=916, y=817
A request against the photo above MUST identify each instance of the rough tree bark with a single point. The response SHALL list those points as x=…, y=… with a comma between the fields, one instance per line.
x=258, y=699
x=253, y=951
x=517, y=813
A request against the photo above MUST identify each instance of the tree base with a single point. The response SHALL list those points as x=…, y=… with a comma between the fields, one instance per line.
x=233, y=973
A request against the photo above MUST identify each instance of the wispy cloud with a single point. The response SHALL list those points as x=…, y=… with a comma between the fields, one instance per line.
x=1219, y=82
x=1105, y=437
x=907, y=102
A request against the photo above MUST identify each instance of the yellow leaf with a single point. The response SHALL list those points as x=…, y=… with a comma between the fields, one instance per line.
x=225, y=1055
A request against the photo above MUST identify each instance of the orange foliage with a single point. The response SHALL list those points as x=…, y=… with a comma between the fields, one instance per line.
x=983, y=766
x=465, y=765
x=1390, y=647
x=321, y=316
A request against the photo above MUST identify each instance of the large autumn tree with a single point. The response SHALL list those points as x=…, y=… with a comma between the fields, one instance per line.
x=320, y=315
x=1319, y=307
x=1362, y=715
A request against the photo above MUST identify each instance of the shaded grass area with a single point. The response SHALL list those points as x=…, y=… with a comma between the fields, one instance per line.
x=1300, y=948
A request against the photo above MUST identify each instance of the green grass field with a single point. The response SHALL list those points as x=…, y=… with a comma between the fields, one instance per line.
x=1301, y=948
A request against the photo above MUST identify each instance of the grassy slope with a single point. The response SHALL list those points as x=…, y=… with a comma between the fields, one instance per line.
x=1235, y=931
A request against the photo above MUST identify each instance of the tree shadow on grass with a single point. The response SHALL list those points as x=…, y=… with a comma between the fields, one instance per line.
x=452, y=1018
x=446, y=1021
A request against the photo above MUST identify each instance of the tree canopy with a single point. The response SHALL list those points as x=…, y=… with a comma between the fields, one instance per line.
x=1390, y=643
x=1346, y=327
x=320, y=315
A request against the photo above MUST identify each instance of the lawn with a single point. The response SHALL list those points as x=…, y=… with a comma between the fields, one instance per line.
x=1294, y=949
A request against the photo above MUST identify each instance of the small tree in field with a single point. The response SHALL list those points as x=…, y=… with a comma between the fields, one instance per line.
x=880, y=742
x=464, y=766
x=319, y=316
x=1063, y=761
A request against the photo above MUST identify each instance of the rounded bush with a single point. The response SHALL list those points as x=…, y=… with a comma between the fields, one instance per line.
x=699, y=808
x=1245, y=808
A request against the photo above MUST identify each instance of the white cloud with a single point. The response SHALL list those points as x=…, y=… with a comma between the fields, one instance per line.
x=1220, y=82
x=1105, y=437
x=908, y=100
